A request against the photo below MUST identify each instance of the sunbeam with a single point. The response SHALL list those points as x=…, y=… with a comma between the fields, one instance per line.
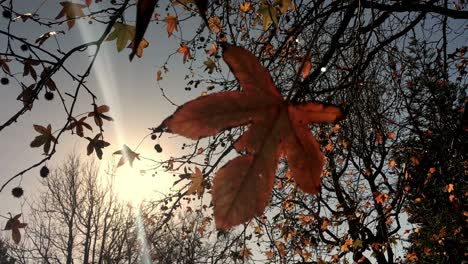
x=103, y=71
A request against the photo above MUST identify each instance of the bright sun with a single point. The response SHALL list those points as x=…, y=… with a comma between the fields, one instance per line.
x=133, y=187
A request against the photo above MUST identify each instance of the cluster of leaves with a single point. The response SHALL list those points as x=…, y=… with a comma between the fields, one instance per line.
x=435, y=159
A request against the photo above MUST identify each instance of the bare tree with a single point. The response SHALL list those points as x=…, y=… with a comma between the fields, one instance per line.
x=79, y=219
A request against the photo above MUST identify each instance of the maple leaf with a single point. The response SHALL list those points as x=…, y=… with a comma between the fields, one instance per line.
x=78, y=126
x=127, y=154
x=269, y=15
x=196, y=187
x=245, y=7
x=98, y=114
x=45, y=138
x=145, y=9
x=49, y=83
x=171, y=22
x=14, y=225
x=122, y=33
x=28, y=67
x=4, y=65
x=215, y=24
x=184, y=50
x=242, y=188
x=246, y=253
x=143, y=45
x=213, y=50
x=27, y=96
x=210, y=65
x=96, y=144
x=70, y=11
x=284, y=5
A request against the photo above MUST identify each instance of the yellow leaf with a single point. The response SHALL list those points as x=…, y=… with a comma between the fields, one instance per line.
x=285, y=5
x=196, y=186
x=269, y=15
x=210, y=65
x=122, y=34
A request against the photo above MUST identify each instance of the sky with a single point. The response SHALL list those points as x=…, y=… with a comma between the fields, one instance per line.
x=128, y=88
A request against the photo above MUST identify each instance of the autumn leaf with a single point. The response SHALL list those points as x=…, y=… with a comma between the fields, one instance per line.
x=4, y=65
x=78, y=126
x=306, y=67
x=246, y=253
x=210, y=65
x=184, y=50
x=213, y=50
x=245, y=7
x=96, y=144
x=143, y=45
x=171, y=22
x=45, y=138
x=122, y=33
x=284, y=5
x=14, y=225
x=412, y=257
x=158, y=75
x=27, y=96
x=98, y=114
x=215, y=24
x=145, y=9
x=449, y=188
x=347, y=243
x=28, y=68
x=357, y=244
x=196, y=186
x=269, y=15
x=70, y=11
x=127, y=154
x=48, y=82
x=325, y=224
x=42, y=38
x=242, y=188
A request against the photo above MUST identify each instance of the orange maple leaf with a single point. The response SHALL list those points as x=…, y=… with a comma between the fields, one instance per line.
x=242, y=188
x=184, y=50
x=171, y=22
x=215, y=24
x=139, y=50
